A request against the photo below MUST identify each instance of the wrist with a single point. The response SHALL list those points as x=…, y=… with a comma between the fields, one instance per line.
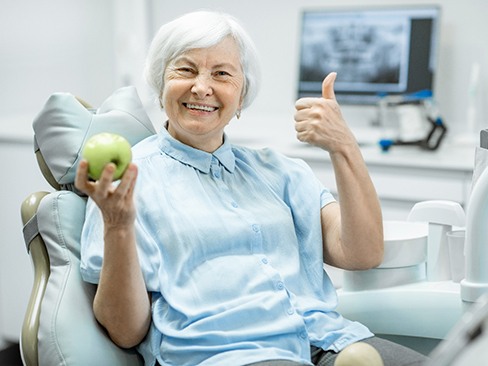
x=346, y=150
x=118, y=230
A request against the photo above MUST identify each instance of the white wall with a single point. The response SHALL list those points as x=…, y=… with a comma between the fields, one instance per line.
x=45, y=46
x=78, y=46
x=91, y=47
x=274, y=26
x=54, y=45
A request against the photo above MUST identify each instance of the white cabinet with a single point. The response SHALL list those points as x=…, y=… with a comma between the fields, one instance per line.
x=400, y=189
x=402, y=177
x=405, y=175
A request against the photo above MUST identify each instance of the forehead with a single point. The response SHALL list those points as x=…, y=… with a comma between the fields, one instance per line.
x=225, y=52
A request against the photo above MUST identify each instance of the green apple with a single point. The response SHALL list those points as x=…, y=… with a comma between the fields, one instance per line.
x=104, y=148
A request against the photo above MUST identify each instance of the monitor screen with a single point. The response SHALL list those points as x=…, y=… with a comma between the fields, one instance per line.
x=375, y=51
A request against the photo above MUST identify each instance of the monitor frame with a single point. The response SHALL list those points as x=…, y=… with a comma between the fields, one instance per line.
x=400, y=39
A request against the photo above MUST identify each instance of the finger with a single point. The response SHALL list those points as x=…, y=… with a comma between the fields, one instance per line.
x=106, y=178
x=128, y=180
x=303, y=136
x=301, y=116
x=328, y=86
x=81, y=178
x=304, y=103
x=300, y=127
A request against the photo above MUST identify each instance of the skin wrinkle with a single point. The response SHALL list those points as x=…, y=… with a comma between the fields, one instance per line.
x=199, y=76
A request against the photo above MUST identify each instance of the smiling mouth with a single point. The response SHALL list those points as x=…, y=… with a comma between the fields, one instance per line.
x=198, y=107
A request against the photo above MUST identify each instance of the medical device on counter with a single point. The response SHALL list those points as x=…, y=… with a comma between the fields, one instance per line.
x=403, y=119
x=413, y=296
x=484, y=139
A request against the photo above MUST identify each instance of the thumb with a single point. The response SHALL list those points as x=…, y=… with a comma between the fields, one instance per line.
x=328, y=86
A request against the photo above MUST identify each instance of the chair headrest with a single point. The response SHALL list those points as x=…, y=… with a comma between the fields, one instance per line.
x=64, y=124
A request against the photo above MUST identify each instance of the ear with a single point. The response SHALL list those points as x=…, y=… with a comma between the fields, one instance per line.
x=243, y=92
x=161, y=100
x=239, y=108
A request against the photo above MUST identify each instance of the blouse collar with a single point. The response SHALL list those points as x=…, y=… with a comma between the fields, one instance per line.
x=196, y=158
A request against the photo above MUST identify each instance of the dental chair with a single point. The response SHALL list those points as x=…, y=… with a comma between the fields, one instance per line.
x=59, y=326
x=403, y=299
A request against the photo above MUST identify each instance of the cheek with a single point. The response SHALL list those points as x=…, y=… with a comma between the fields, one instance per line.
x=235, y=93
x=170, y=106
x=240, y=92
x=169, y=95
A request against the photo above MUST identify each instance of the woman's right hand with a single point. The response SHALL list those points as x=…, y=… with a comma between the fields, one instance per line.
x=115, y=201
x=121, y=294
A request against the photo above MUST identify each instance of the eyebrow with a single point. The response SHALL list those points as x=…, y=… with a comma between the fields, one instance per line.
x=218, y=66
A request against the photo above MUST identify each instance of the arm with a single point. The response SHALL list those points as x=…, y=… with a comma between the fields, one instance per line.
x=121, y=303
x=352, y=229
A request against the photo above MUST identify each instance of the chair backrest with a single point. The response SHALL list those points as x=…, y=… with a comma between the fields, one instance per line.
x=59, y=326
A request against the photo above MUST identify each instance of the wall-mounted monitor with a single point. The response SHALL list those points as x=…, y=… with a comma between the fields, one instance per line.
x=375, y=51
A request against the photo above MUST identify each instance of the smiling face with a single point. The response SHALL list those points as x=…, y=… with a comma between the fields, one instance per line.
x=202, y=92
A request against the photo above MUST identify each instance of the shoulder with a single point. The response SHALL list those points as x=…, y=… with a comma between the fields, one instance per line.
x=145, y=148
x=268, y=158
x=264, y=154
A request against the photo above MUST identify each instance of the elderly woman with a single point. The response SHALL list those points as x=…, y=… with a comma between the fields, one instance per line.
x=215, y=256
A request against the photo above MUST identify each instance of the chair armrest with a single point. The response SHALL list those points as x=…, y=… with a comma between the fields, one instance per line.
x=40, y=262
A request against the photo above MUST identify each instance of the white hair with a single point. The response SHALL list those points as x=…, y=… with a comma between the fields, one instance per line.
x=201, y=29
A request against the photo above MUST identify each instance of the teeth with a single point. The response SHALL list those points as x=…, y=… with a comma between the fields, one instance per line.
x=201, y=107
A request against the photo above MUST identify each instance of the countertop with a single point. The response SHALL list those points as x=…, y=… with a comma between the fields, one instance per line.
x=17, y=129
x=279, y=133
x=449, y=156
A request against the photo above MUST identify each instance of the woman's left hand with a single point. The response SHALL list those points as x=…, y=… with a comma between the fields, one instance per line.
x=319, y=121
x=353, y=232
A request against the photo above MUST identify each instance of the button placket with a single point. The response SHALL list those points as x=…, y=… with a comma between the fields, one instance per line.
x=215, y=169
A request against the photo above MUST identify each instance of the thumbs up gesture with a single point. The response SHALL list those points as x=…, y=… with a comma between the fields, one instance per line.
x=319, y=121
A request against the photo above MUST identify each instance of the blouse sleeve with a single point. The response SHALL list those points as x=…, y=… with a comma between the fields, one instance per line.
x=92, y=245
x=91, y=250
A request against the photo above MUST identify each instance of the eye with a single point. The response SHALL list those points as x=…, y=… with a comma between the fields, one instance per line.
x=185, y=70
x=222, y=74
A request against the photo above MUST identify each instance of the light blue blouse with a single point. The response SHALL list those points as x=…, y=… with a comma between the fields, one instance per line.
x=230, y=245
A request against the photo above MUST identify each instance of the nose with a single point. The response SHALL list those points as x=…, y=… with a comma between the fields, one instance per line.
x=202, y=86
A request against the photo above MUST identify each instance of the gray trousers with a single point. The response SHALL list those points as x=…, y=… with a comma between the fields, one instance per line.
x=392, y=354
